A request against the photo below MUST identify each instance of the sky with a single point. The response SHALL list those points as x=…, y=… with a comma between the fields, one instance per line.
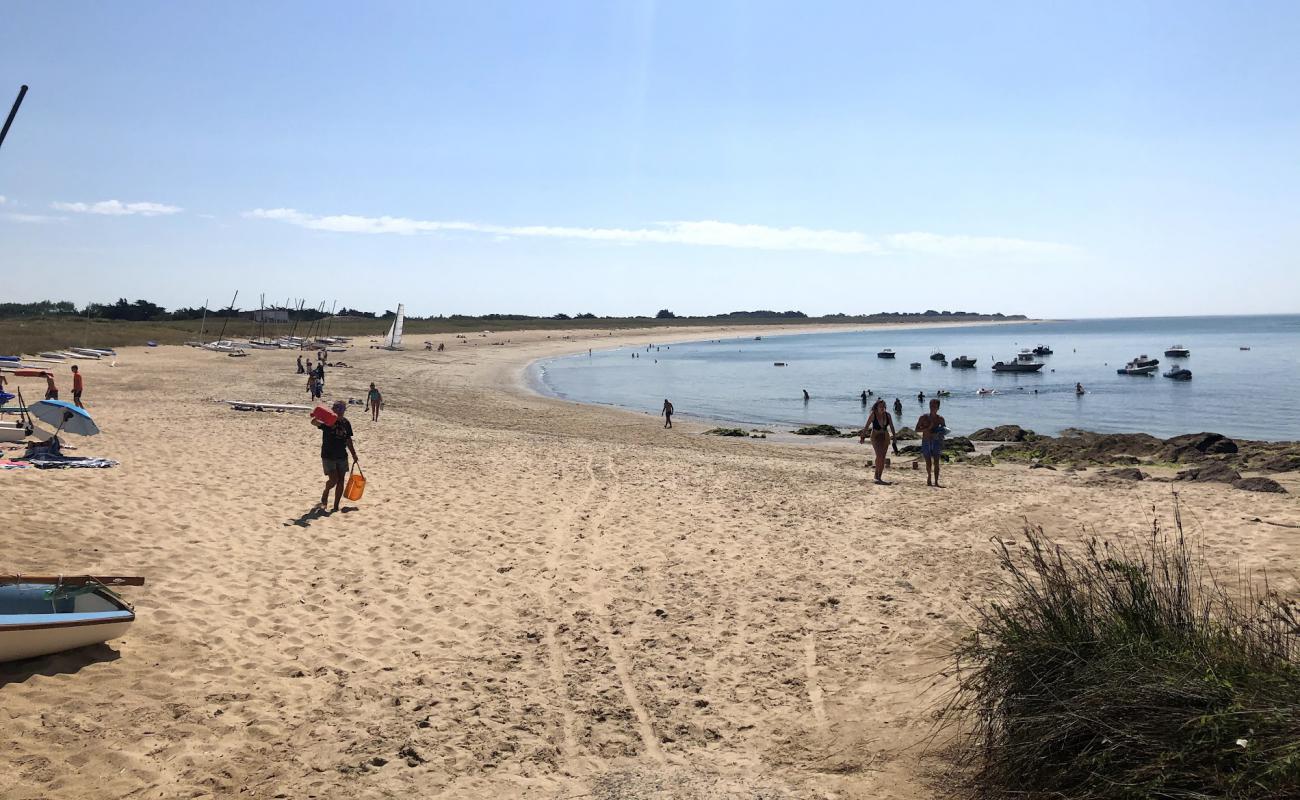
x=1087, y=159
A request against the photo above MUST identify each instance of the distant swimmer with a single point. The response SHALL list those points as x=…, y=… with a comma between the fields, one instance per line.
x=864, y=397
x=1078, y=388
x=920, y=397
x=667, y=413
x=806, y=397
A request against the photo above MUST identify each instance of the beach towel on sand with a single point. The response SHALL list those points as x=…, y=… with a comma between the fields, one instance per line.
x=69, y=462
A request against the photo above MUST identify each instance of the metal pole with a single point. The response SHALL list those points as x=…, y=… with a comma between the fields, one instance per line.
x=13, y=112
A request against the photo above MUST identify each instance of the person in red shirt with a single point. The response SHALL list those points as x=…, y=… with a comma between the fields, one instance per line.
x=77, y=386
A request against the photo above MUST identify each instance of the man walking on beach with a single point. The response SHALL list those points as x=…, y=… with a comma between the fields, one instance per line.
x=932, y=428
x=668, y=413
x=335, y=445
x=374, y=400
x=51, y=391
x=77, y=386
x=300, y=369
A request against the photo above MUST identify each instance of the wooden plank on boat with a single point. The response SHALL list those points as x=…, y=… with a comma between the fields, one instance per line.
x=75, y=580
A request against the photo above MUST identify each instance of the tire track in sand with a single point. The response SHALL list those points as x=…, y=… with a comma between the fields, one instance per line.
x=601, y=606
x=561, y=539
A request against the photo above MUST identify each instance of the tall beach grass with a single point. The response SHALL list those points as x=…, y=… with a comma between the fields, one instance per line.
x=1127, y=671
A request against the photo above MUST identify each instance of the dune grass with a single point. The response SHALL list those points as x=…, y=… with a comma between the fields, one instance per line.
x=1127, y=672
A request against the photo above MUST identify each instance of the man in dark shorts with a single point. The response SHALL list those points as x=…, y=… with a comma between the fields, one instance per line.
x=51, y=391
x=77, y=386
x=335, y=444
x=932, y=428
x=668, y=413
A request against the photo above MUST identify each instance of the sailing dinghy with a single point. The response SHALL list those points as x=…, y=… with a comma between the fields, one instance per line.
x=393, y=339
x=40, y=615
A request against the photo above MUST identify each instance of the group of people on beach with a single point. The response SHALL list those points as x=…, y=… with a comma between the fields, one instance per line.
x=52, y=388
x=880, y=428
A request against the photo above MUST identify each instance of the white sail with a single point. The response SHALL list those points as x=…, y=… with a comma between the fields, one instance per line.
x=393, y=339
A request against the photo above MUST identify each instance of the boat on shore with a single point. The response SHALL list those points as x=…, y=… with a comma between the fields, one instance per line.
x=1179, y=374
x=1177, y=351
x=44, y=615
x=963, y=362
x=886, y=353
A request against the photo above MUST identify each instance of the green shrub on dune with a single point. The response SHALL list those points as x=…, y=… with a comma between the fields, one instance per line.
x=1127, y=673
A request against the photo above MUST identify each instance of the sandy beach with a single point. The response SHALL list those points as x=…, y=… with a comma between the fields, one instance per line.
x=535, y=598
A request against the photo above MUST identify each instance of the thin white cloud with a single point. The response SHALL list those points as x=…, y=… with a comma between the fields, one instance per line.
x=14, y=216
x=116, y=208
x=3, y=200
x=708, y=233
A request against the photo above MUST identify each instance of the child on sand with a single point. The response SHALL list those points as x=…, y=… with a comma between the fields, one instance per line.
x=335, y=445
x=374, y=401
x=77, y=386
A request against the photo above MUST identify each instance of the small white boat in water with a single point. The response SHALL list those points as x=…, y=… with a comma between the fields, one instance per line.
x=43, y=615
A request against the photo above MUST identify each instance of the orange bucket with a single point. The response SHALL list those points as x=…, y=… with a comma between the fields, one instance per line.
x=356, y=486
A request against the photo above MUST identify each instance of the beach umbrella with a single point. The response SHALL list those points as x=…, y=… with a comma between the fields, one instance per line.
x=68, y=417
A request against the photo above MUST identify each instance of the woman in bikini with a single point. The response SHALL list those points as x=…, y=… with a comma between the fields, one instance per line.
x=880, y=427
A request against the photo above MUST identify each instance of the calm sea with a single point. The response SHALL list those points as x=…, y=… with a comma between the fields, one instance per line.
x=1241, y=393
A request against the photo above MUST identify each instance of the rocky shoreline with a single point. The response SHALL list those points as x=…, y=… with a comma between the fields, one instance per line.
x=1204, y=457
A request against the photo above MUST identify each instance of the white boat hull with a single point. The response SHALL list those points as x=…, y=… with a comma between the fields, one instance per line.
x=30, y=627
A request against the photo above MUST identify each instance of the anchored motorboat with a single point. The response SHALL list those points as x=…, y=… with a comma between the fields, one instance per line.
x=963, y=362
x=1136, y=368
x=1177, y=351
x=937, y=356
x=886, y=353
x=1179, y=374
x=915, y=365
x=1024, y=362
x=1042, y=350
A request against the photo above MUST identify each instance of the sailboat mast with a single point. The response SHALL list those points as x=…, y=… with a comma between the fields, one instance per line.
x=221, y=337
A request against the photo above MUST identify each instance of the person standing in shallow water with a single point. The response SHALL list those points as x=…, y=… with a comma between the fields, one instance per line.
x=335, y=445
x=880, y=427
x=667, y=413
x=932, y=428
x=898, y=407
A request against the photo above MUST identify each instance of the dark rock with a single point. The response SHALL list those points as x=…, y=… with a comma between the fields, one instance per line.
x=725, y=432
x=818, y=430
x=1182, y=454
x=1214, y=472
x=1258, y=485
x=1041, y=465
x=981, y=460
x=1277, y=461
x=958, y=444
x=1126, y=473
x=1208, y=443
x=907, y=434
x=1004, y=433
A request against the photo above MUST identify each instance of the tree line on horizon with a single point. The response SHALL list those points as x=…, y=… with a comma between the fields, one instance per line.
x=146, y=311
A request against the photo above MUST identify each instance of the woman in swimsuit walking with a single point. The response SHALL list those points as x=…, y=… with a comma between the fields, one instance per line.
x=880, y=427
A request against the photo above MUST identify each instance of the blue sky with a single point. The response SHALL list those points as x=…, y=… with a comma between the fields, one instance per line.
x=1093, y=159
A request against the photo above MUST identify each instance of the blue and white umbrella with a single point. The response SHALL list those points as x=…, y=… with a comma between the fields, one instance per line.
x=66, y=416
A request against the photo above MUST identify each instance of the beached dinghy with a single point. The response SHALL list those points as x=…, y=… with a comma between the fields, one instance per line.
x=43, y=615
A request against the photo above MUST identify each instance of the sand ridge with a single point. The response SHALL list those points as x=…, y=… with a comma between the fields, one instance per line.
x=534, y=599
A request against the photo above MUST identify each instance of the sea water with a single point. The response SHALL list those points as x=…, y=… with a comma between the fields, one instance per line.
x=1249, y=394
